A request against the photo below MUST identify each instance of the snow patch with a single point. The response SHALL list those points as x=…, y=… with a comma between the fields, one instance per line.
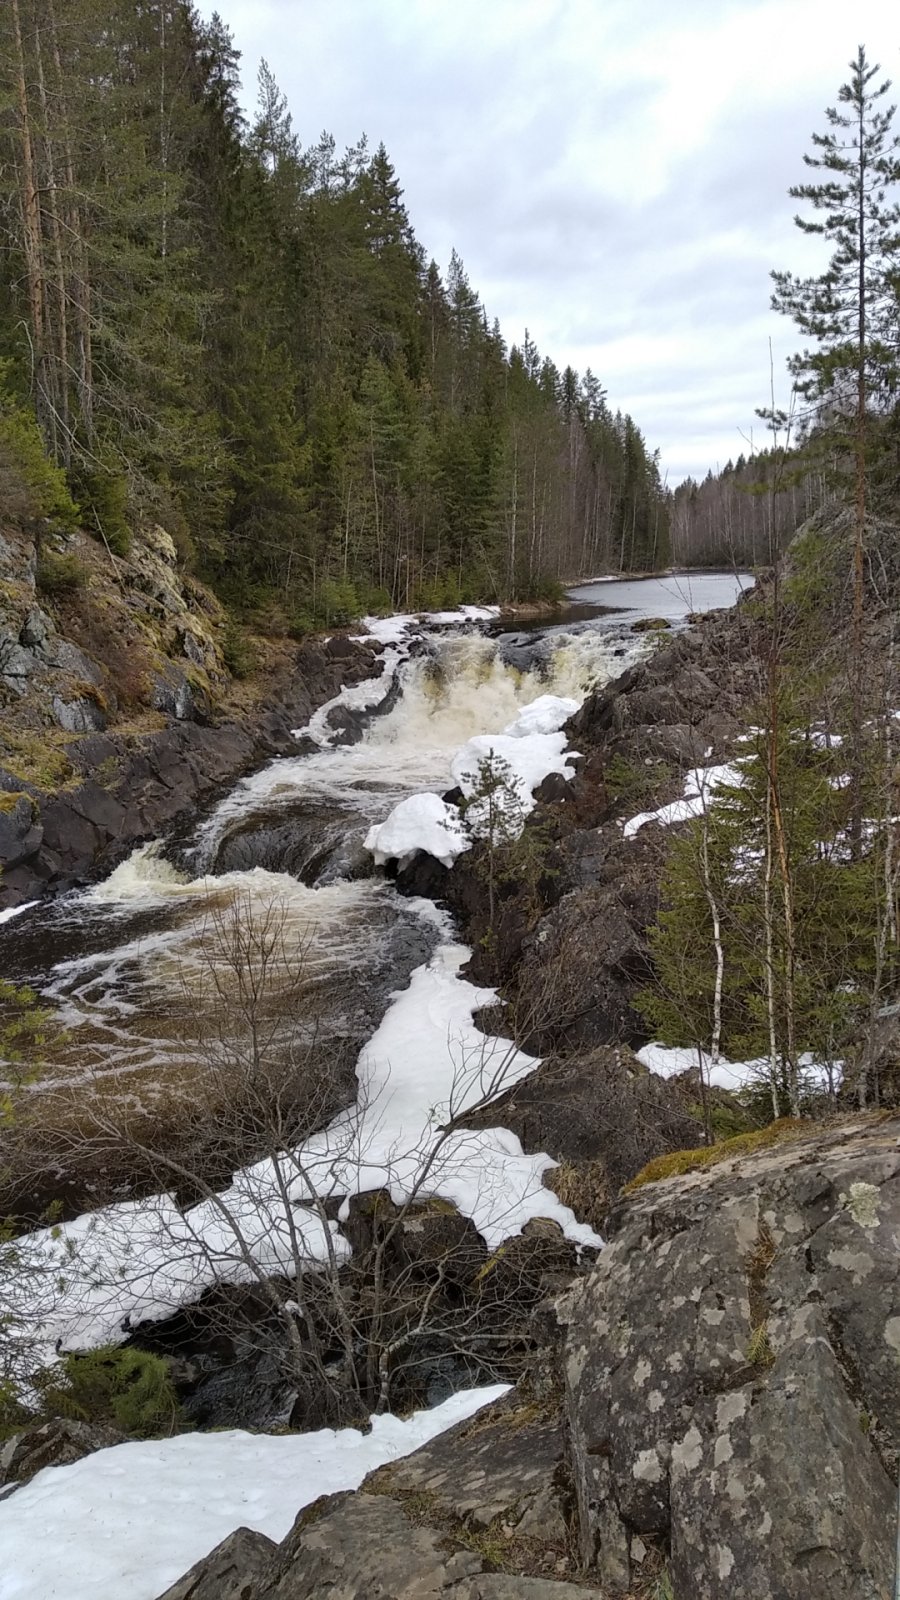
x=532, y=748
x=127, y=1522
x=668, y=1061
x=363, y=696
x=700, y=786
x=426, y=1064
x=422, y=822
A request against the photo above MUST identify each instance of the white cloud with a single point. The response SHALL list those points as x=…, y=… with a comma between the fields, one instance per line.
x=613, y=172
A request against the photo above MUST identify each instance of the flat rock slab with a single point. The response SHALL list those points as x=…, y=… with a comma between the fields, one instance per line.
x=504, y=1464
x=366, y=1547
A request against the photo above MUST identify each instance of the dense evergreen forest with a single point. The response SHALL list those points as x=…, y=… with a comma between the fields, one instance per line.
x=219, y=329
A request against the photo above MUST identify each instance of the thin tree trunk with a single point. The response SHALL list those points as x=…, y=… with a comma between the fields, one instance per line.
x=857, y=666
x=58, y=336
x=31, y=224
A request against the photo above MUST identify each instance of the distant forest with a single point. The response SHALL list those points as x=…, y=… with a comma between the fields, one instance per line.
x=743, y=515
x=221, y=330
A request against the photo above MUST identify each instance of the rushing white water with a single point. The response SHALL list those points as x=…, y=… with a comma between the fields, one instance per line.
x=462, y=688
x=139, y=961
x=145, y=1004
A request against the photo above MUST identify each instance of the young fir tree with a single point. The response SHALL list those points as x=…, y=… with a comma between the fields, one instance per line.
x=849, y=311
x=731, y=969
x=493, y=814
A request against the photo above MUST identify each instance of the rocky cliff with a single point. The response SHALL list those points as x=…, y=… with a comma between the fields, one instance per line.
x=719, y=1417
x=118, y=710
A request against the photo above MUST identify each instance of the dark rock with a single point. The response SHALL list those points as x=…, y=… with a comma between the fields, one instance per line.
x=230, y=1572
x=340, y=647
x=52, y=1444
x=21, y=834
x=603, y=1108
x=157, y=782
x=732, y=1375
x=651, y=625
x=552, y=789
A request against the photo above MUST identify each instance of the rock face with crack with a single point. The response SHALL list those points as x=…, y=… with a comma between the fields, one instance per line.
x=733, y=1381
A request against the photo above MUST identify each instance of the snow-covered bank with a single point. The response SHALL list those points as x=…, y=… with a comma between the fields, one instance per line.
x=669, y=1061
x=126, y=1523
x=700, y=786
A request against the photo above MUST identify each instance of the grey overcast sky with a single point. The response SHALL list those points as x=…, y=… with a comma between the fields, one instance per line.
x=614, y=173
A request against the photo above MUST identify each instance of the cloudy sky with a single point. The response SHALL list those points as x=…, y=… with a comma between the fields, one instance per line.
x=612, y=172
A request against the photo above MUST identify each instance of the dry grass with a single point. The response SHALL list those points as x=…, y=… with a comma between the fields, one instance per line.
x=583, y=1187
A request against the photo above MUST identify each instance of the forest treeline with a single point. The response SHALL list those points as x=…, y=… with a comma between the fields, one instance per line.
x=749, y=510
x=242, y=339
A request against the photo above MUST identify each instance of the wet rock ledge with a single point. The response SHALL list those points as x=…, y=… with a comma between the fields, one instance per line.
x=721, y=1416
x=125, y=788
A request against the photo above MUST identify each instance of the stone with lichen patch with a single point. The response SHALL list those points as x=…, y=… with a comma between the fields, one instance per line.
x=760, y=1366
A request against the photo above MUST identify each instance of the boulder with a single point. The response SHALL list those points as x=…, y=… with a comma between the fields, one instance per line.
x=651, y=625
x=732, y=1378
x=506, y=1465
x=229, y=1572
x=36, y=629
x=82, y=715
x=21, y=834
x=52, y=1444
x=357, y=1547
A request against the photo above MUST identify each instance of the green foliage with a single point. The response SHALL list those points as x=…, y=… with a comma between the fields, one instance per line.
x=493, y=815
x=22, y=452
x=237, y=651
x=527, y=863
x=254, y=351
x=129, y=1388
x=823, y=971
x=633, y=783
x=59, y=573
x=104, y=502
x=849, y=310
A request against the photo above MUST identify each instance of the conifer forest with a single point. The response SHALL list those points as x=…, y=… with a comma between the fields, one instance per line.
x=242, y=337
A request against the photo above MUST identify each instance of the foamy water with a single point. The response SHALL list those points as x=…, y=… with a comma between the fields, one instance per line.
x=462, y=689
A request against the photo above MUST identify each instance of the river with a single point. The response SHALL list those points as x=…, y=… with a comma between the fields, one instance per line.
x=142, y=968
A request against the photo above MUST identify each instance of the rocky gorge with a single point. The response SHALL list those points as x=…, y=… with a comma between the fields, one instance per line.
x=121, y=716
x=644, y=1449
